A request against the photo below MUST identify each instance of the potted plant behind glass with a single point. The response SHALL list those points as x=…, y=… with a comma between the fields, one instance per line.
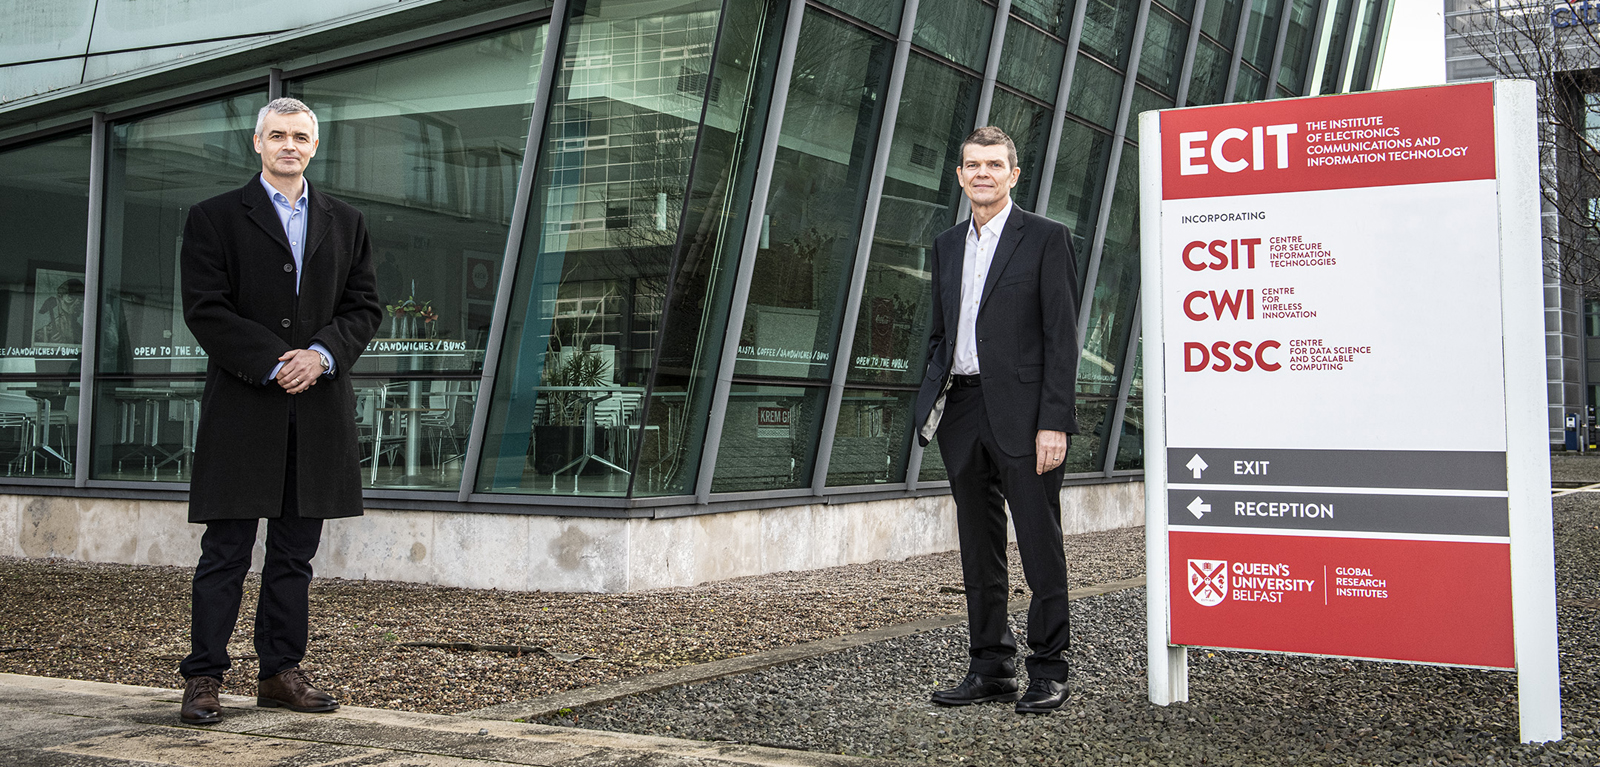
x=558, y=440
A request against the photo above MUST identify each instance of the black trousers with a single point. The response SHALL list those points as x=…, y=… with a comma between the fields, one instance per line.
x=282, y=612
x=983, y=480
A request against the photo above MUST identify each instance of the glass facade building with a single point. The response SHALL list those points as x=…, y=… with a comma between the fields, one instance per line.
x=632, y=253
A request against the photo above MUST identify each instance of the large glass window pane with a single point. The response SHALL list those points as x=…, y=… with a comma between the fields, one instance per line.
x=768, y=437
x=1116, y=288
x=1096, y=93
x=157, y=168
x=1261, y=37
x=44, y=210
x=707, y=254
x=1221, y=20
x=932, y=469
x=872, y=437
x=1297, y=46
x=920, y=199
x=1333, y=68
x=957, y=30
x=1161, y=58
x=883, y=14
x=1075, y=191
x=1145, y=100
x=1028, y=125
x=1366, y=47
x=429, y=146
x=145, y=430
x=1208, y=82
x=1183, y=8
x=1108, y=29
x=412, y=432
x=1087, y=445
x=813, y=218
x=1252, y=85
x=597, y=249
x=1053, y=16
x=1031, y=62
x=1130, y=447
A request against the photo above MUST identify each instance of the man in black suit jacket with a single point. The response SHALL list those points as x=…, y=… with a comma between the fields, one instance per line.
x=278, y=287
x=1002, y=364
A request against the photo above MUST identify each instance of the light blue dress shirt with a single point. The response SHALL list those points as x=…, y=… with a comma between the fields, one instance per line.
x=293, y=218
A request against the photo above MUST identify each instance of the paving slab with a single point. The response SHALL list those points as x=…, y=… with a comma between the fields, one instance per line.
x=70, y=723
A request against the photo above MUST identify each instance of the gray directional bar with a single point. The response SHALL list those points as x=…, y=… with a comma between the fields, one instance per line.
x=1406, y=469
x=1339, y=512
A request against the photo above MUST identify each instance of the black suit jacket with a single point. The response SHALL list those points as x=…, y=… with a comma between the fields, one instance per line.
x=239, y=301
x=1027, y=330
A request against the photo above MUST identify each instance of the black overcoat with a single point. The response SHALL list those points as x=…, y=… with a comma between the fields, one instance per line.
x=239, y=301
x=1027, y=330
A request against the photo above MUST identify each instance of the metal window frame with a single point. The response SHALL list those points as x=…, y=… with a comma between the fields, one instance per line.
x=869, y=225
x=991, y=67
x=88, y=354
x=1181, y=99
x=516, y=234
x=747, y=255
x=1352, y=35
x=1120, y=407
x=1238, y=50
x=1286, y=12
x=1380, y=38
x=1058, y=118
x=1119, y=135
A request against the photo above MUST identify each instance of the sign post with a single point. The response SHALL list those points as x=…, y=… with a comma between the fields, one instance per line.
x=1344, y=322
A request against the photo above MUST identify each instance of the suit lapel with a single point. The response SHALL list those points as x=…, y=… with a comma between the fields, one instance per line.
x=954, y=252
x=1009, y=237
x=263, y=214
x=321, y=221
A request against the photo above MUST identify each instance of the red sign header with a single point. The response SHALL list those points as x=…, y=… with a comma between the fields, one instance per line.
x=1388, y=138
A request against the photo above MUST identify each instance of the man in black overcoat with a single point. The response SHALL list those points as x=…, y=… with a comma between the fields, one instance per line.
x=1002, y=365
x=278, y=287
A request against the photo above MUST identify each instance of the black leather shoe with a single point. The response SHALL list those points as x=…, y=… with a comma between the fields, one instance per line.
x=200, y=703
x=1042, y=697
x=293, y=690
x=977, y=688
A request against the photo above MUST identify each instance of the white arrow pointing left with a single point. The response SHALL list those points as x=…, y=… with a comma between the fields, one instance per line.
x=1199, y=508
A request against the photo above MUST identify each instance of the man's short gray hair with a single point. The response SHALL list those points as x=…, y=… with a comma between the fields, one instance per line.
x=285, y=106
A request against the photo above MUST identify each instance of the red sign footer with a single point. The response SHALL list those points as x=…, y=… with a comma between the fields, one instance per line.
x=1425, y=601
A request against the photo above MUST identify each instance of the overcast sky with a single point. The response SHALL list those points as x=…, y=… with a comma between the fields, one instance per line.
x=1415, y=54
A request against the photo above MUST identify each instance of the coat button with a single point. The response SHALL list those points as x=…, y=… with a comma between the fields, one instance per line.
x=288, y=267
x=284, y=323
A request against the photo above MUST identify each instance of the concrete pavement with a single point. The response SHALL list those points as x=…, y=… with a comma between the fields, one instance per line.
x=69, y=723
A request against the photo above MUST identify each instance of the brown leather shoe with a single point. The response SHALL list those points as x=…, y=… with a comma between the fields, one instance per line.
x=292, y=690
x=200, y=704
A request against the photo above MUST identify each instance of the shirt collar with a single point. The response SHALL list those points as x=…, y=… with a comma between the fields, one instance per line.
x=995, y=225
x=277, y=196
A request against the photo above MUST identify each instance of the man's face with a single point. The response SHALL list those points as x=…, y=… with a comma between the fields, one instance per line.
x=986, y=174
x=286, y=144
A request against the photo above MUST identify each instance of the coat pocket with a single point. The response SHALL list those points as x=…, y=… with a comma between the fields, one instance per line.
x=1030, y=373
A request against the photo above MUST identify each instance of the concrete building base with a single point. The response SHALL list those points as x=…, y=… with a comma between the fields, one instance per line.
x=525, y=552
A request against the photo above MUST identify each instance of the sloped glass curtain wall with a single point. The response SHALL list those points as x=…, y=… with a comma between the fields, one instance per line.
x=649, y=280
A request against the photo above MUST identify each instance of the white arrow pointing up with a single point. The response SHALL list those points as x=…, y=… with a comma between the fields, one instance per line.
x=1199, y=508
x=1196, y=465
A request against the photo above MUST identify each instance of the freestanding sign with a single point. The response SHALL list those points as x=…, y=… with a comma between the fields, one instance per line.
x=1344, y=322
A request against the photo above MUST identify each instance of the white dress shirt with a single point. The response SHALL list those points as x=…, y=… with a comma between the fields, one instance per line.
x=293, y=218
x=974, y=271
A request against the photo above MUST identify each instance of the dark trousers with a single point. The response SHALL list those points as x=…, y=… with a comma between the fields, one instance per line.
x=282, y=612
x=983, y=479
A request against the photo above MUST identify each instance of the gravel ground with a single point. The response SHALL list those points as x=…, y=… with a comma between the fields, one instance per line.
x=118, y=623
x=1244, y=709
